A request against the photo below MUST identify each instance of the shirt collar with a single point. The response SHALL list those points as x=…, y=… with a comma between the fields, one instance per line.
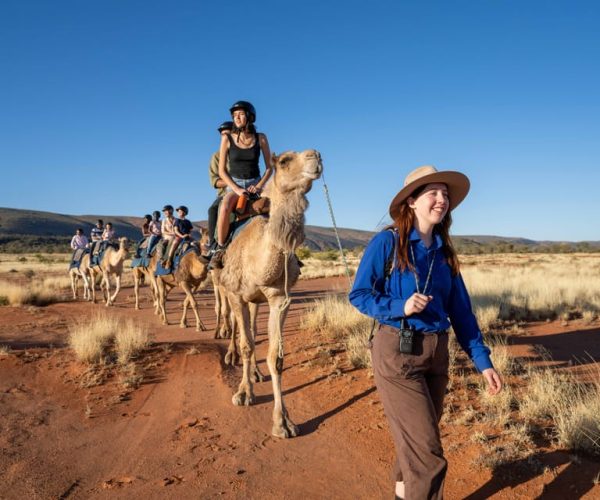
x=437, y=239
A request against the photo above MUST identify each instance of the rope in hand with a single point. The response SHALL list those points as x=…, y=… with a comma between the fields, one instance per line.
x=335, y=229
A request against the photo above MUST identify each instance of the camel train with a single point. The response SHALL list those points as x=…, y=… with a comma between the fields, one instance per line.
x=259, y=266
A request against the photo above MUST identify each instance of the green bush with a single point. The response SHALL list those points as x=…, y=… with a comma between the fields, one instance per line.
x=330, y=255
x=303, y=253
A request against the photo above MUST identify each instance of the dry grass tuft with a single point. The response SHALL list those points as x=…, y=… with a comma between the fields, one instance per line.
x=89, y=338
x=335, y=318
x=34, y=294
x=130, y=339
x=5, y=350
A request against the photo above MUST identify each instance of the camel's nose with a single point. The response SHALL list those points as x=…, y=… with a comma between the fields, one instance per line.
x=313, y=153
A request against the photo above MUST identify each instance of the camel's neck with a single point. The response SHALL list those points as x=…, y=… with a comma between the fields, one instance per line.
x=119, y=256
x=285, y=229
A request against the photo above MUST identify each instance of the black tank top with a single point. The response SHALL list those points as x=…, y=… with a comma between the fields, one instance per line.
x=243, y=163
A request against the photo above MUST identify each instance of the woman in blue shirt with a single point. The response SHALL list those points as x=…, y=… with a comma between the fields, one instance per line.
x=409, y=281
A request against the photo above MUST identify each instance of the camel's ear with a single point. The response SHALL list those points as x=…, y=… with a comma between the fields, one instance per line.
x=274, y=159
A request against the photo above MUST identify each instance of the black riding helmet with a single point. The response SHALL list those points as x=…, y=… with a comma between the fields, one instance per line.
x=148, y=217
x=168, y=207
x=184, y=208
x=247, y=107
x=225, y=126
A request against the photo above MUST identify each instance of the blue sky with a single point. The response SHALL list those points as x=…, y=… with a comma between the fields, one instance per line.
x=110, y=107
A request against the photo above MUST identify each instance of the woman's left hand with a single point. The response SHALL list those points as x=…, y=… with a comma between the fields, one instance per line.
x=494, y=382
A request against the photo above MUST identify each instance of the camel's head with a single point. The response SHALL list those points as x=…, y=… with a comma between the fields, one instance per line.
x=297, y=171
x=123, y=243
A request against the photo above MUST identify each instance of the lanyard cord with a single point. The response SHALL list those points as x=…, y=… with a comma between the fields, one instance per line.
x=414, y=263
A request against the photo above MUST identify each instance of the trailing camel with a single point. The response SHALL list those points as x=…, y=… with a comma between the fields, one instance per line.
x=260, y=266
x=189, y=275
x=110, y=265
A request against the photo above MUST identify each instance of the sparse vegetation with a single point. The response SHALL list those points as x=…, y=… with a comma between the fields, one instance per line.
x=131, y=338
x=91, y=339
x=35, y=294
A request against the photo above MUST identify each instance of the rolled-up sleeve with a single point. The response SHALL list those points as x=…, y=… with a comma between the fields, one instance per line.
x=368, y=293
x=465, y=325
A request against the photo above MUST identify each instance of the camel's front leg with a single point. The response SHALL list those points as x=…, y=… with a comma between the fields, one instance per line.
x=217, y=310
x=106, y=288
x=136, y=286
x=282, y=424
x=93, y=285
x=232, y=357
x=245, y=394
x=155, y=294
x=257, y=375
x=117, y=288
x=74, y=280
x=162, y=298
x=192, y=301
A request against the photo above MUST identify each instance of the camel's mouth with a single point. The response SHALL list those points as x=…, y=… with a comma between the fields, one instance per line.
x=312, y=169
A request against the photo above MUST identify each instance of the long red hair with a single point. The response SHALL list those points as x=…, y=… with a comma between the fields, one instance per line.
x=404, y=224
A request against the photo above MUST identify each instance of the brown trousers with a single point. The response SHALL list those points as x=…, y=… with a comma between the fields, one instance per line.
x=412, y=389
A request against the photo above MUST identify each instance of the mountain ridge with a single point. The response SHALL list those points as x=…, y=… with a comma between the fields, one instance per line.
x=15, y=223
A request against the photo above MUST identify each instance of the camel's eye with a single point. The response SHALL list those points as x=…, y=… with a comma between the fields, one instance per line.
x=285, y=160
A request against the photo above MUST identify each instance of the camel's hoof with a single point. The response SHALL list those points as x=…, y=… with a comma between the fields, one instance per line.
x=257, y=376
x=230, y=359
x=182, y=325
x=286, y=430
x=242, y=399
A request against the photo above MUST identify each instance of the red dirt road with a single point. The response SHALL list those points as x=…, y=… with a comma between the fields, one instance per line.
x=179, y=436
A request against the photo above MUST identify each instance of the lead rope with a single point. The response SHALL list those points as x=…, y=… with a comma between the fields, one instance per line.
x=282, y=307
x=337, y=236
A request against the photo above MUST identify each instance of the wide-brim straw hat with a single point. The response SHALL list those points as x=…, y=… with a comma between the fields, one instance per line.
x=458, y=186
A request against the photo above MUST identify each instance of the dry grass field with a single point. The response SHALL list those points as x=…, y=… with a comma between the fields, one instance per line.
x=540, y=403
x=549, y=410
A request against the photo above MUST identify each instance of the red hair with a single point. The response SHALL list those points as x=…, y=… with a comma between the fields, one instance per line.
x=404, y=224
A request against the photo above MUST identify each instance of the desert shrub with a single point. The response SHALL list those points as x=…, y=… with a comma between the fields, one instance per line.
x=34, y=294
x=328, y=255
x=22, y=259
x=336, y=319
x=303, y=252
x=572, y=405
x=130, y=339
x=90, y=337
x=29, y=273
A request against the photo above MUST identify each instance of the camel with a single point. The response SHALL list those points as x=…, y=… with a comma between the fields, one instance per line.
x=147, y=273
x=260, y=266
x=190, y=275
x=75, y=274
x=110, y=265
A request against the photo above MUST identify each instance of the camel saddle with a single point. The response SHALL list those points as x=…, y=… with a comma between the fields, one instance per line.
x=97, y=252
x=77, y=256
x=255, y=206
x=184, y=248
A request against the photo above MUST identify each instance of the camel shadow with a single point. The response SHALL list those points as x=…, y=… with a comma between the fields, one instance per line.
x=573, y=482
x=313, y=424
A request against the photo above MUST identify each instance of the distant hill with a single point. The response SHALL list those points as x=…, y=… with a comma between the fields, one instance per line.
x=38, y=230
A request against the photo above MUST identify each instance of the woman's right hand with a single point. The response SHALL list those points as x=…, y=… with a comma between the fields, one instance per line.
x=416, y=303
x=239, y=191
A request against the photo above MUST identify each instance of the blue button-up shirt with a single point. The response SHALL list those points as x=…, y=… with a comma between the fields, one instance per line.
x=384, y=299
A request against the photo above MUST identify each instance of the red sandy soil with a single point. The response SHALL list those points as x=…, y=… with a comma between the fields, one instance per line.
x=179, y=436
